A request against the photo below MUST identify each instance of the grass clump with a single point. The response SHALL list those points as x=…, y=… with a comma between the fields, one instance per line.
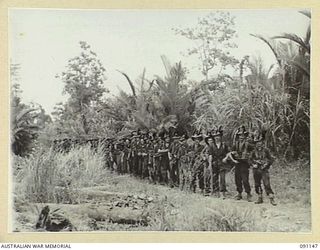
x=48, y=176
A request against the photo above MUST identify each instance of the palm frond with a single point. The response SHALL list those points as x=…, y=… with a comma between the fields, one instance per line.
x=307, y=13
x=130, y=83
x=294, y=38
x=270, y=46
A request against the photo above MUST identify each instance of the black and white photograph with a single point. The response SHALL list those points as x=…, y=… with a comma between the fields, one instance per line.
x=159, y=120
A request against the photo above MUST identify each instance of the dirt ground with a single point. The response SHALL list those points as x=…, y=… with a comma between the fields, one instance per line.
x=128, y=203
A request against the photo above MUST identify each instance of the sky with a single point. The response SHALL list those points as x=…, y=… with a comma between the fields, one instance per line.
x=43, y=40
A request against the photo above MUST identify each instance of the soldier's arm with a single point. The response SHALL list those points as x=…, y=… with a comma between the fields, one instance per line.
x=251, y=159
x=269, y=159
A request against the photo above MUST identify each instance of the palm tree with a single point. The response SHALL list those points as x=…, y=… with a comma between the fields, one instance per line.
x=175, y=103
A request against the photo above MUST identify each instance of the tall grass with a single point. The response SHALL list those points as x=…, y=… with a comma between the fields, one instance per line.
x=48, y=176
x=211, y=217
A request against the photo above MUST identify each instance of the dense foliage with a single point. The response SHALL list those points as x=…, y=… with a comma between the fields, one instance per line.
x=275, y=99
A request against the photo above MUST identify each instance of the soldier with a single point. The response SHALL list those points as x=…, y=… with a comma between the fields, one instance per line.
x=152, y=149
x=111, y=155
x=107, y=149
x=182, y=155
x=117, y=154
x=144, y=157
x=208, y=174
x=174, y=169
x=134, y=154
x=164, y=159
x=261, y=161
x=126, y=155
x=197, y=163
x=220, y=167
x=239, y=157
x=157, y=159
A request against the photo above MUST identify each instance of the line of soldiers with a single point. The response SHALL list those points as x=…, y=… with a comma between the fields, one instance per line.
x=197, y=164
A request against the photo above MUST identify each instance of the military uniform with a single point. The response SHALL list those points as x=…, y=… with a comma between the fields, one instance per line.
x=207, y=172
x=134, y=156
x=164, y=162
x=152, y=149
x=126, y=160
x=241, y=155
x=117, y=151
x=261, y=161
x=198, y=165
x=220, y=168
x=144, y=160
x=157, y=160
x=182, y=155
x=110, y=157
x=174, y=161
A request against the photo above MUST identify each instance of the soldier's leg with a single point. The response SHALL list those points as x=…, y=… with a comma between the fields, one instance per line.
x=114, y=163
x=200, y=176
x=267, y=186
x=181, y=176
x=193, y=180
x=119, y=163
x=125, y=164
x=207, y=180
x=215, y=179
x=135, y=165
x=150, y=175
x=167, y=170
x=244, y=172
x=257, y=181
x=222, y=180
x=177, y=173
x=142, y=167
x=170, y=173
x=257, y=185
x=146, y=167
x=158, y=171
x=238, y=181
x=266, y=182
x=245, y=180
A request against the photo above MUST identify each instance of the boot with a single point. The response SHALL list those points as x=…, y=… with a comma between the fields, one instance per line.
x=238, y=196
x=249, y=197
x=223, y=195
x=272, y=202
x=260, y=200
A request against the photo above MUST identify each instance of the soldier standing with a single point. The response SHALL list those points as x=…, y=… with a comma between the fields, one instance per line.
x=182, y=155
x=219, y=166
x=208, y=172
x=151, y=148
x=164, y=159
x=117, y=151
x=135, y=155
x=261, y=161
x=157, y=159
x=144, y=158
x=174, y=169
x=111, y=159
x=239, y=157
x=198, y=164
x=126, y=154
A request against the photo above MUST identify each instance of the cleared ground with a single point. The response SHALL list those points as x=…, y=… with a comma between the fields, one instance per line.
x=124, y=202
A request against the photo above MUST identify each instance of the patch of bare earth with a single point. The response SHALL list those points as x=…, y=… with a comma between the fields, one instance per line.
x=127, y=203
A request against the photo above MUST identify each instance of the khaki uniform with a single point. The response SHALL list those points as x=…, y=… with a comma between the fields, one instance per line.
x=197, y=167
